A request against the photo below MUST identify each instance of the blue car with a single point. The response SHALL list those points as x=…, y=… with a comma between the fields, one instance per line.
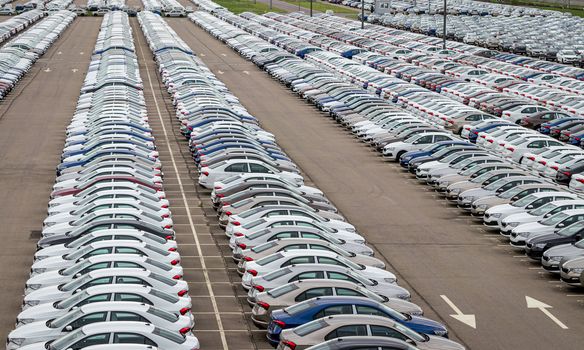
x=546, y=127
x=405, y=159
x=316, y=308
x=474, y=133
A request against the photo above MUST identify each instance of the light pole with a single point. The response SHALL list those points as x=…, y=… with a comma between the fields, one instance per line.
x=362, y=14
x=310, y=8
x=270, y=5
x=444, y=28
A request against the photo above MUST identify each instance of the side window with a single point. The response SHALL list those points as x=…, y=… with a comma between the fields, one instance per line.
x=299, y=260
x=99, y=251
x=295, y=246
x=131, y=338
x=87, y=319
x=345, y=292
x=126, y=264
x=126, y=316
x=127, y=250
x=95, y=299
x=554, y=143
x=282, y=223
x=313, y=293
x=308, y=276
x=276, y=213
x=367, y=310
x=438, y=138
x=258, y=168
x=347, y=331
x=536, y=144
x=97, y=282
x=98, y=266
x=129, y=280
x=329, y=261
x=237, y=168
x=130, y=297
x=310, y=235
x=319, y=247
x=341, y=276
x=423, y=139
x=96, y=339
x=284, y=235
x=338, y=310
x=381, y=331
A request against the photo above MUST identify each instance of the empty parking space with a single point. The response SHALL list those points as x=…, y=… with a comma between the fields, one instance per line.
x=33, y=118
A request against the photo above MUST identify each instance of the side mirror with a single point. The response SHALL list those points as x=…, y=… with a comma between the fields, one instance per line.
x=77, y=275
x=529, y=207
x=561, y=225
x=410, y=341
x=69, y=328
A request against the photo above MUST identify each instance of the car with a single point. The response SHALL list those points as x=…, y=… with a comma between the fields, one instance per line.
x=105, y=293
x=571, y=269
x=288, y=294
x=536, y=246
x=42, y=331
x=350, y=343
x=120, y=332
x=315, y=308
x=337, y=326
x=394, y=151
x=555, y=222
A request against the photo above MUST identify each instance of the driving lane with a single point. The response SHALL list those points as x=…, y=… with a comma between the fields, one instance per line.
x=33, y=118
x=432, y=247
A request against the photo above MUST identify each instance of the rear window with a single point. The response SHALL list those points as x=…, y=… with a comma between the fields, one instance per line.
x=298, y=308
x=268, y=259
x=310, y=327
x=285, y=289
x=164, y=296
x=275, y=274
x=263, y=247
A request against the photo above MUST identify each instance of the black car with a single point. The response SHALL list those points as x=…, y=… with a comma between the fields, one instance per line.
x=564, y=175
x=536, y=246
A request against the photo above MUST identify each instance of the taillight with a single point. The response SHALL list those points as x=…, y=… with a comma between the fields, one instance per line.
x=176, y=277
x=175, y=261
x=259, y=288
x=236, y=223
x=164, y=206
x=279, y=323
x=173, y=249
x=247, y=258
x=225, y=204
x=238, y=234
x=206, y=173
x=228, y=213
x=289, y=344
x=580, y=180
x=184, y=330
x=555, y=167
x=168, y=226
x=542, y=162
x=184, y=310
x=218, y=187
x=253, y=273
x=169, y=237
x=511, y=149
x=263, y=305
x=531, y=158
x=220, y=195
x=165, y=215
x=182, y=293
x=567, y=173
x=242, y=245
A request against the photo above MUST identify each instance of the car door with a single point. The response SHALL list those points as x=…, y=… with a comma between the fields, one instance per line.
x=126, y=316
x=334, y=310
x=237, y=168
x=313, y=293
x=136, y=298
x=309, y=275
x=131, y=338
x=86, y=319
x=382, y=331
x=299, y=260
x=347, y=331
x=96, y=339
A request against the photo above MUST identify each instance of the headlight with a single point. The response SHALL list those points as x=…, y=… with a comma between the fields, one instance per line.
x=441, y=333
x=540, y=245
x=404, y=296
x=39, y=270
x=389, y=280
x=32, y=303
x=482, y=206
x=40, y=257
x=469, y=199
x=513, y=224
x=496, y=215
x=360, y=241
x=555, y=258
x=49, y=224
x=577, y=270
x=16, y=341
x=367, y=253
x=33, y=286
x=390, y=149
x=455, y=190
x=23, y=321
x=524, y=234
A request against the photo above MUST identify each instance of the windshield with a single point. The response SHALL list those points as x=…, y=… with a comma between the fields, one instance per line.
x=410, y=333
x=66, y=340
x=72, y=300
x=495, y=185
x=523, y=202
x=482, y=178
x=555, y=219
x=77, y=267
x=542, y=210
x=66, y=318
x=78, y=253
x=572, y=229
x=394, y=314
x=310, y=327
x=510, y=193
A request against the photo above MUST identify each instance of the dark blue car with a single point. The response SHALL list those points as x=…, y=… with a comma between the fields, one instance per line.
x=405, y=159
x=546, y=127
x=316, y=308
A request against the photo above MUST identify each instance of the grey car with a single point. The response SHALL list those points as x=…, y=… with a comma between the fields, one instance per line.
x=336, y=326
x=297, y=291
x=366, y=342
x=551, y=258
x=571, y=269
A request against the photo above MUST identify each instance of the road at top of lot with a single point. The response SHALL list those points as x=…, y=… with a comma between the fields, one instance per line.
x=33, y=118
x=435, y=250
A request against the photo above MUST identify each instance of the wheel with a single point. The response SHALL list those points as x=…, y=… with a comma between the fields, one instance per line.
x=398, y=155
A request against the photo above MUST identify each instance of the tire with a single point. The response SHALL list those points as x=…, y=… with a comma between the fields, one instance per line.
x=398, y=155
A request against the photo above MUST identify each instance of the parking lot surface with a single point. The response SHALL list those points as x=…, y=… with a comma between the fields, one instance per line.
x=33, y=118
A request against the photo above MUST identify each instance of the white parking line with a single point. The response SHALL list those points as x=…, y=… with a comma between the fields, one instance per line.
x=186, y=204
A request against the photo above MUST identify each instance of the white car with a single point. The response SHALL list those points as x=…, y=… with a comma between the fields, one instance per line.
x=167, y=244
x=516, y=114
x=393, y=151
x=105, y=247
x=120, y=332
x=105, y=276
x=516, y=150
x=105, y=293
x=113, y=311
x=106, y=186
x=568, y=56
x=548, y=225
x=494, y=215
x=308, y=256
x=219, y=171
x=534, y=215
x=577, y=183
